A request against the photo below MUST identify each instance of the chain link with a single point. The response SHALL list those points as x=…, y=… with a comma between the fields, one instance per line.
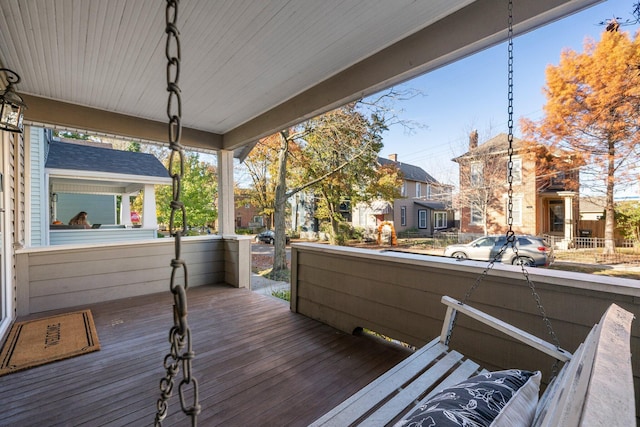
x=510, y=241
x=181, y=351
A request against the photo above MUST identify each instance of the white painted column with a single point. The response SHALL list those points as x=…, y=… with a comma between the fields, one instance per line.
x=226, y=207
x=125, y=211
x=569, y=222
x=149, y=214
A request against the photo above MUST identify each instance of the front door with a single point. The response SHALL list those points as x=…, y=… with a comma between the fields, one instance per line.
x=556, y=216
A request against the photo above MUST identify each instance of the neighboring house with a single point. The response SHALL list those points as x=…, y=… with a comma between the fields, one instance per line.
x=592, y=208
x=248, y=215
x=544, y=197
x=424, y=206
x=72, y=176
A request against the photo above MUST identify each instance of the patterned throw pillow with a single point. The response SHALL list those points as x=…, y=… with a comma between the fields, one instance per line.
x=503, y=398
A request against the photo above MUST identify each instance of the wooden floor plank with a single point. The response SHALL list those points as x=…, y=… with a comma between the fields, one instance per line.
x=257, y=363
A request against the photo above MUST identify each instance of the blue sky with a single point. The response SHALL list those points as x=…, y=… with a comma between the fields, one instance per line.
x=472, y=93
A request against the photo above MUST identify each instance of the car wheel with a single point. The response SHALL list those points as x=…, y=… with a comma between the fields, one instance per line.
x=527, y=262
x=459, y=255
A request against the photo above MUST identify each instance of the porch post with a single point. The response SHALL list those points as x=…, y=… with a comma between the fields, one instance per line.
x=125, y=210
x=226, y=208
x=569, y=222
x=149, y=215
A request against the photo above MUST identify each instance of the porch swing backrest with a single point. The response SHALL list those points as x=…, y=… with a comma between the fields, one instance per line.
x=594, y=387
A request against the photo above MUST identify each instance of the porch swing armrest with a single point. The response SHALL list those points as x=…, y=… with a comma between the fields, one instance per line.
x=454, y=306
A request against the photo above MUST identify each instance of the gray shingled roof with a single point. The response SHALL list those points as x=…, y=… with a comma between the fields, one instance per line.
x=98, y=159
x=409, y=172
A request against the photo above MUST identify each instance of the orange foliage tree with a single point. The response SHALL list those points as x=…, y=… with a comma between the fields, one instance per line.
x=592, y=111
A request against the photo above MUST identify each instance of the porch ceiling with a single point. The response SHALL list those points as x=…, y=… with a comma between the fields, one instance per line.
x=248, y=68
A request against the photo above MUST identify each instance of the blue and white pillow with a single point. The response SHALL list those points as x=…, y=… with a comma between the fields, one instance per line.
x=503, y=398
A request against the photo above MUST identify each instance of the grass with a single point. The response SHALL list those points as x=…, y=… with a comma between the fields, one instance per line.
x=601, y=270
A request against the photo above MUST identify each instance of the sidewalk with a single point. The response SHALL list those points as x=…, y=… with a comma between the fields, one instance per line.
x=265, y=286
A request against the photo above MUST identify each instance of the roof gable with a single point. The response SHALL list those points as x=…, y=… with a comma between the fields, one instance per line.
x=497, y=145
x=409, y=172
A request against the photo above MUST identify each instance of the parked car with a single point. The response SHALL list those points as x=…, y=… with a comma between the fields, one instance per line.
x=532, y=251
x=269, y=236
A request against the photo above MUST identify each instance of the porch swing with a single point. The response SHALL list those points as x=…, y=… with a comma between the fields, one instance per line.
x=433, y=385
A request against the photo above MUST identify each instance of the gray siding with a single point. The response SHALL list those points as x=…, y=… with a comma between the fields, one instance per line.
x=38, y=196
x=52, y=278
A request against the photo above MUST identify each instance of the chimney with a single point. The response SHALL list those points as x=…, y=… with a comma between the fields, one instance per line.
x=473, y=140
x=393, y=157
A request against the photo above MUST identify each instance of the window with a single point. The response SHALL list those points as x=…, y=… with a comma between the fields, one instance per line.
x=403, y=189
x=418, y=190
x=558, y=180
x=422, y=218
x=403, y=215
x=440, y=220
x=476, y=214
x=428, y=191
x=516, y=171
x=476, y=174
x=517, y=210
x=258, y=220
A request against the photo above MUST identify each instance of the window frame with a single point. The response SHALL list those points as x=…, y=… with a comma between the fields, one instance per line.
x=517, y=176
x=418, y=189
x=439, y=219
x=422, y=216
x=403, y=215
x=476, y=208
x=476, y=177
x=518, y=200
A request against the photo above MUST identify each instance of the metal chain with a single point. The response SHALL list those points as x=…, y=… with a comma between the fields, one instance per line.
x=181, y=352
x=510, y=240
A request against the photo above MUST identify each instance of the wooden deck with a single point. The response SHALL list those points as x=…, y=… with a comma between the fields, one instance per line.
x=257, y=363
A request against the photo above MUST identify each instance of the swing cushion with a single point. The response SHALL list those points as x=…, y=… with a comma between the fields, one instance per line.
x=503, y=398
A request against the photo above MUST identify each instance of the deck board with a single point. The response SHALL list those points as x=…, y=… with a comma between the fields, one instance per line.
x=257, y=363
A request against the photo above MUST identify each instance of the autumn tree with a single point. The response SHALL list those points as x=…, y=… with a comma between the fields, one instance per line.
x=593, y=100
x=261, y=166
x=340, y=157
x=291, y=155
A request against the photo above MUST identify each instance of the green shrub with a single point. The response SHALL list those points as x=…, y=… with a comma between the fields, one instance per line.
x=282, y=294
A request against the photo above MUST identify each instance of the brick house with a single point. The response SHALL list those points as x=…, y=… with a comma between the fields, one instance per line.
x=544, y=189
x=424, y=206
x=247, y=215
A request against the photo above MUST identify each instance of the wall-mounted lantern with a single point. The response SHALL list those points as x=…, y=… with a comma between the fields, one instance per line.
x=11, y=104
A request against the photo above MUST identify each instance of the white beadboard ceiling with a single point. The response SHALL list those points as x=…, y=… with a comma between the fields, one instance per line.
x=249, y=67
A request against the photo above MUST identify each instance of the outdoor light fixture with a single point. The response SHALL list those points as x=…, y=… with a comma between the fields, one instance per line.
x=11, y=104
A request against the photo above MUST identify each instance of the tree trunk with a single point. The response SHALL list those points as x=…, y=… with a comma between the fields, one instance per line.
x=609, y=213
x=280, y=252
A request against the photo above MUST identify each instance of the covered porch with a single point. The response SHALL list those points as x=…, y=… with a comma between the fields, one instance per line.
x=99, y=67
x=261, y=361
